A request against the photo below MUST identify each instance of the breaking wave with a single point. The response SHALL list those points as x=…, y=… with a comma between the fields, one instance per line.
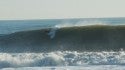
x=82, y=38
x=58, y=58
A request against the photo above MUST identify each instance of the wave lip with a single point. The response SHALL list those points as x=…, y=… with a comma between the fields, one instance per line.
x=81, y=23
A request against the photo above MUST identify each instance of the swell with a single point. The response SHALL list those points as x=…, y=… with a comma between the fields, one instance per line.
x=83, y=38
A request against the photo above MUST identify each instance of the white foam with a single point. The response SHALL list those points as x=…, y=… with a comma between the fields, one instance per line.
x=88, y=67
x=65, y=58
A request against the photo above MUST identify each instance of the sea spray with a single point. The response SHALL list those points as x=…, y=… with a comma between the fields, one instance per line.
x=78, y=24
x=52, y=32
x=58, y=58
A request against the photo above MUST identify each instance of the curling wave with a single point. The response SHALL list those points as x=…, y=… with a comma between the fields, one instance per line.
x=80, y=38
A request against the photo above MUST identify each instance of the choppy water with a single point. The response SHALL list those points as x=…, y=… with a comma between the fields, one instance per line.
x=62, y=59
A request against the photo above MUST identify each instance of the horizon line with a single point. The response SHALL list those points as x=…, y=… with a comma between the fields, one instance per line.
x=58, y=18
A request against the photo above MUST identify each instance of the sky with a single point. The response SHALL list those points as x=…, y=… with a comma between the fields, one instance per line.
x=59, y=9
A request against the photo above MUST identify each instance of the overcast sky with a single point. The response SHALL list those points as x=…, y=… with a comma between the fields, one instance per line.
x=47, y=9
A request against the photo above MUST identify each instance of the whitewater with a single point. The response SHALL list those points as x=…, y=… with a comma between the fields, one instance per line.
x=65, y=60
x=63, y=44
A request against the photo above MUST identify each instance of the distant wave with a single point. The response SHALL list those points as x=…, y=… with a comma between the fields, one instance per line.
x=82, y=38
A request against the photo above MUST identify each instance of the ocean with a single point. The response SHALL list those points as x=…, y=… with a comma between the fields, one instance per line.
x=63, y=44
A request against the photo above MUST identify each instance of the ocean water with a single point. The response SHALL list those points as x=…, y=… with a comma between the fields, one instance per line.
x=65, y=60
x=11, y=26
x=63, y=44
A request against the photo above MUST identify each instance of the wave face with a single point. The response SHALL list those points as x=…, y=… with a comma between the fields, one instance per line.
x=58, y=58
x=82, y=38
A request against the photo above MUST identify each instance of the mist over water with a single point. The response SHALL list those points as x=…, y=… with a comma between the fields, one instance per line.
x=80, y=23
